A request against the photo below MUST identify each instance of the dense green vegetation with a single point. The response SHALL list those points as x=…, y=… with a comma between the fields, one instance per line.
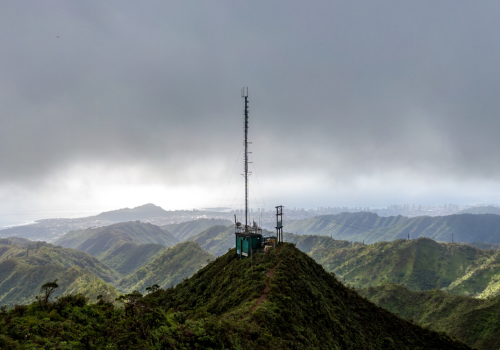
x=481, y=281
x=127, y=257
x=476, y=322
x=278, y=300
x=125, y=246
x=188, y=229
x=23, y=270
x=168, y=269
x=370, y=227
x=420, y=264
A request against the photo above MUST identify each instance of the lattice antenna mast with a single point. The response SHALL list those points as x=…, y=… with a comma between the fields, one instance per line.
x=244, y=94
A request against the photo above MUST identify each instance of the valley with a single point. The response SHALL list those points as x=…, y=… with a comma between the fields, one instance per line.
x=124, y=258
x=220, y=306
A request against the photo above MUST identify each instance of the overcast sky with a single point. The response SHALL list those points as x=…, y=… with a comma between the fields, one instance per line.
x=110, y=104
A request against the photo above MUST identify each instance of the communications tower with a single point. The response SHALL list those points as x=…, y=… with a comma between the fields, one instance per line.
x=248, y=236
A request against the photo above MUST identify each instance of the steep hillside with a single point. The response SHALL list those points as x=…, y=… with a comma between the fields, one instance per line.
x=185, y=230
x=216, y=240
x=125, y=246
x=126, y=258
x=168, y=268
x=370, y=227
x=278, y=300
x=482, y=281
x=22, y=272
x=283, y=299
x=420, y=264
x=473, y=321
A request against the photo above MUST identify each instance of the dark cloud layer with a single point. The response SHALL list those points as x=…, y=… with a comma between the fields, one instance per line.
x=342, y=89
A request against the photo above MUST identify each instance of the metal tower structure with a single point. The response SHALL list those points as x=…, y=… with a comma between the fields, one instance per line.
x=246, y=173
x=248, y=237
x=279, y=223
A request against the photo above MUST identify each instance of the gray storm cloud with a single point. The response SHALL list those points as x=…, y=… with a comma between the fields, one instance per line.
x=343, y=89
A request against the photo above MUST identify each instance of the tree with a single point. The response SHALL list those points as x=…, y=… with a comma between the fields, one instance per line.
x=153, y=288
x=47, y=289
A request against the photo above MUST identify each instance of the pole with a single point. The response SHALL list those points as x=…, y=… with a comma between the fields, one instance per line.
x=245, y=95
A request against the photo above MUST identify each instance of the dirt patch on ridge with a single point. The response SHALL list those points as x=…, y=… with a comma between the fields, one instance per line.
x=269, y=275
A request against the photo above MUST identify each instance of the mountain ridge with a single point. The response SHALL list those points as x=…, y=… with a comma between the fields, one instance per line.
x=23, y=270
x=124, y=246
x=420, y=264
x=281, y=299
x=370, y=228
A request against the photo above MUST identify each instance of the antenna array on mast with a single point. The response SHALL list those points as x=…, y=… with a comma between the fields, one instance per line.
x=249, y=236
x=245, y=96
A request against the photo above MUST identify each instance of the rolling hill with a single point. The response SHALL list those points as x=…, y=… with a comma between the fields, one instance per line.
x=473, y=321
x=370, y=228
x=168, y=268
x=482, y=281
x=124, y=246
x=420, y=264
x=23, y=271
x=188, y=229
x=278, y=300
x=216, y=240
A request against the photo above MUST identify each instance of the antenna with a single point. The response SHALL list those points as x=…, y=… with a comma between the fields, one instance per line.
x=245, y=96
x=249, y=235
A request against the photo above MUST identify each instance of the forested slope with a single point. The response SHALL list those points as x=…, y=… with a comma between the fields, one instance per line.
x=278, y=300
x=169, y=268
x=124, y=246
x=216, y=240
x=23, y=272
x=476, y=322
x=420, y=264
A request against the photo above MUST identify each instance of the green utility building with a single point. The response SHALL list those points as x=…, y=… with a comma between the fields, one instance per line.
x=248, y=242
